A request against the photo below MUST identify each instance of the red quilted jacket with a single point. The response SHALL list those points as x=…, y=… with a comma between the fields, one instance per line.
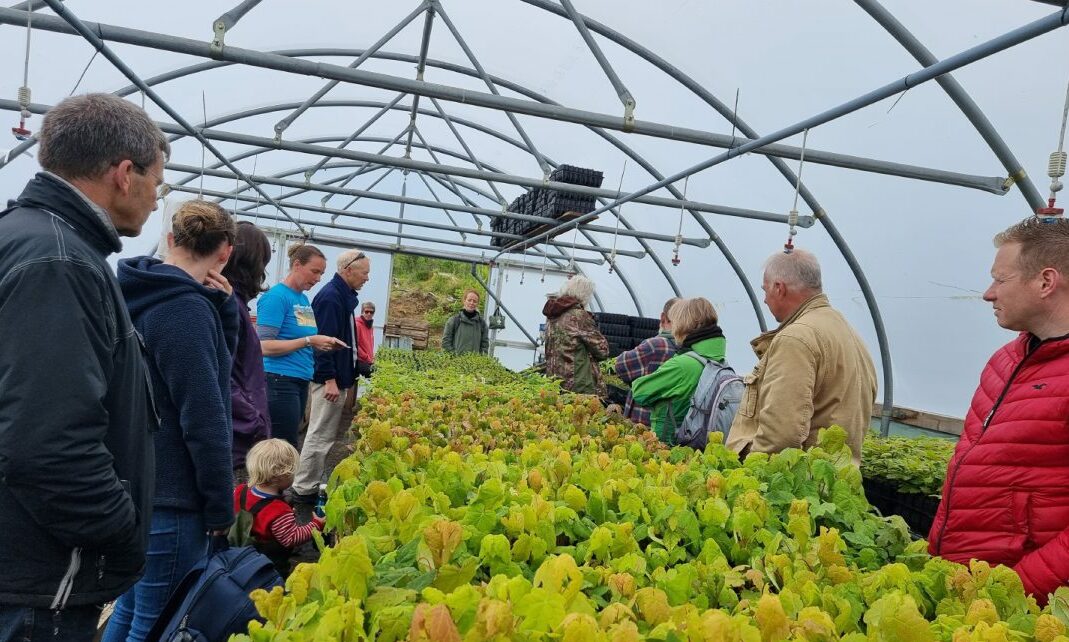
x=1006, y=495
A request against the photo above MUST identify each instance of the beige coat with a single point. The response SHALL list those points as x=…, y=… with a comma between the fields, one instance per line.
x=813, y=371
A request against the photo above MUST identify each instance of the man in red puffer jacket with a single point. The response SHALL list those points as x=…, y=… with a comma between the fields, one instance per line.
x=1006, y=495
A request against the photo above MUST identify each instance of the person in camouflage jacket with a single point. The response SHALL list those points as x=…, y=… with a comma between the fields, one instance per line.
x=574, y=346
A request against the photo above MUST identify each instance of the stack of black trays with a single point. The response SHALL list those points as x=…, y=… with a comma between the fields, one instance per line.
x=624, y=332
x=548, y=203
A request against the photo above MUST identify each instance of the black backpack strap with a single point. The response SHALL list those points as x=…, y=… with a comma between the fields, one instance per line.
x=257, y=507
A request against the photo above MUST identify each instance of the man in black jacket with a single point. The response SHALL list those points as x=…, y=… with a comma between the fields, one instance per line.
x=76, y=411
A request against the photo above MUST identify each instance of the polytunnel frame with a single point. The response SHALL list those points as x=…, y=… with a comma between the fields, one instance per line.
x=988, y=134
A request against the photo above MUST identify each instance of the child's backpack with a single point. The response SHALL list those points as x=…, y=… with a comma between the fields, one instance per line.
x=241, y=531
x=212, y=601
x=713, y=405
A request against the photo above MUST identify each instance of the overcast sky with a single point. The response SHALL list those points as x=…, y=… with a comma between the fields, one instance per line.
x=925, y=247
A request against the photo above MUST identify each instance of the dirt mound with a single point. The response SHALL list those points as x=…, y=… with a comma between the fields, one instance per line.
x=413, y=305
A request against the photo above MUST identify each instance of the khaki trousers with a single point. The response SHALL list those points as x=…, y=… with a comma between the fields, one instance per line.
x=324, y=418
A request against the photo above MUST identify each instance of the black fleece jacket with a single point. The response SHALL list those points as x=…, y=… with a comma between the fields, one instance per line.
x=76, y=415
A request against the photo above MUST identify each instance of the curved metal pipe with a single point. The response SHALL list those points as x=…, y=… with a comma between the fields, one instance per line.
x=501, y=136
x=732, y=116
x=817, y=209
x=686, y=81
x=961, y=98
x=506, y=104
x=519, y=89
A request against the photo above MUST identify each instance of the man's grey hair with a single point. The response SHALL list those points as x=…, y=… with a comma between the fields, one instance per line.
x=367, y=305
x=83, y=136
x=347, y=257
x=799, y=269
x=579, y=287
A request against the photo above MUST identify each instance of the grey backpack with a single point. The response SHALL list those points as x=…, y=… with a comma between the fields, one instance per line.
x=713, y=405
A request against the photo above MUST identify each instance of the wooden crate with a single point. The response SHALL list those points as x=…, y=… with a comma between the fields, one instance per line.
x=417, y=331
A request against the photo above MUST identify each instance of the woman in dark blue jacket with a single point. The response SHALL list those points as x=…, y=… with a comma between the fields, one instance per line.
x=184, y=309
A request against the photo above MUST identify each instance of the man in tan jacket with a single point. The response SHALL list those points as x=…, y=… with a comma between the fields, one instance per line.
x=813, y=371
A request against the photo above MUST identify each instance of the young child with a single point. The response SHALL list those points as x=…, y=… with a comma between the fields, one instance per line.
x=272, y=464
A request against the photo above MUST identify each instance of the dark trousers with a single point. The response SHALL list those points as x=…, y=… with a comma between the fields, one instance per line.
x=26, y=624
x=286, y=398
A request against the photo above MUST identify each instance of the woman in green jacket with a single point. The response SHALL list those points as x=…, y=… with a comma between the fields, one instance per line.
x=695, y=329
x=466, y=330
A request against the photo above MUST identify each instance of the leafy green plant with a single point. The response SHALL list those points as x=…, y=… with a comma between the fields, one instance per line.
x=915, y=465
x=484, y=505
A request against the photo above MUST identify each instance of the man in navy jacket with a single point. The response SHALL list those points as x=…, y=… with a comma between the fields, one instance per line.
x=334, y=371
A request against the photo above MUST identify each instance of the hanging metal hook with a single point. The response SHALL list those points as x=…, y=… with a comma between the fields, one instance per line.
x=679, y=232
x=792, y=217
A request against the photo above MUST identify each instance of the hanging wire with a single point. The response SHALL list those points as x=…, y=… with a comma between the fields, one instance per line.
x=203, y=147
x=26, y=62
x=237, y=188
x=82, y=77
x=575, y=235
x=256, y=216
x=1056, y=167
x=792, y=218
x=300, y=219
x=24, y=94
x=734, y=117
x=679, y=231
x=619, y=215
x=545, y=258
x=897, y=100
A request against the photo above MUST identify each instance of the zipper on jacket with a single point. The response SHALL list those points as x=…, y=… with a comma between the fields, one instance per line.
x=983, y=429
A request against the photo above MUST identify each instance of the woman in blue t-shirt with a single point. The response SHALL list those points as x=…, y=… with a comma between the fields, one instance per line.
x=287, y=330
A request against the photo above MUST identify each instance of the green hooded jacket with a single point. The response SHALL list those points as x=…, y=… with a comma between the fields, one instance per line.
x=466, y=335
x=674, y=383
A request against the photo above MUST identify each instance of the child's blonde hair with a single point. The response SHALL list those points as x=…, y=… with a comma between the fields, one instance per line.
x=271, y=459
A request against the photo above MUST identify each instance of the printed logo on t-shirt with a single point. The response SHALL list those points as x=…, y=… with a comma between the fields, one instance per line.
x=305, y=317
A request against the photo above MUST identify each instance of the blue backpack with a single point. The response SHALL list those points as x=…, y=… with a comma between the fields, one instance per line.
x=713, y=405
x=211, y=603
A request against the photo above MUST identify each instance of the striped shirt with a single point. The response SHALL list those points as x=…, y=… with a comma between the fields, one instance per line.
x=284, y=528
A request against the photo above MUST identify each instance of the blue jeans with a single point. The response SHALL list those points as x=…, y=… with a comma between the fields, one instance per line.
x=27, y=624
x=177, y=541
x=286, y=399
